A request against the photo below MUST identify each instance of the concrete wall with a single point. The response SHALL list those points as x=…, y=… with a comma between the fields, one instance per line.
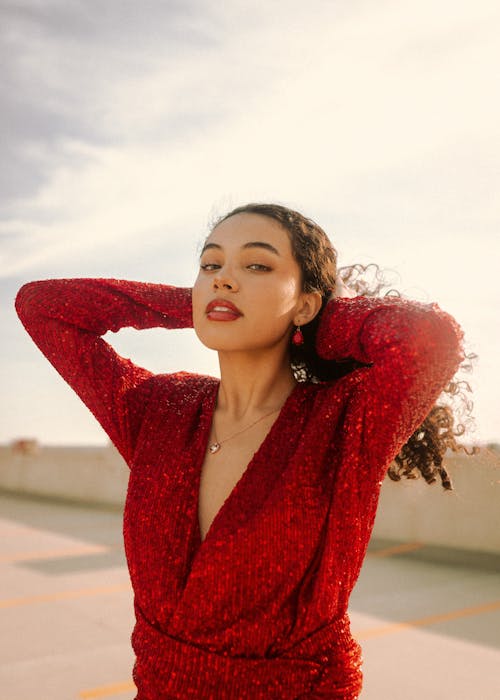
x=88, y=474
x=466, y=518
x=409, y=511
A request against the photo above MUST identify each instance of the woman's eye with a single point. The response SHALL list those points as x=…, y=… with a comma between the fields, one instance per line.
x=258, y=267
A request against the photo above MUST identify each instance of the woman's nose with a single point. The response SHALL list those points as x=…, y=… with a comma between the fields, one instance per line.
x=224, y=281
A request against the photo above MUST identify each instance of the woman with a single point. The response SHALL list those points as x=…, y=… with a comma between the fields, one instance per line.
x=251, y=500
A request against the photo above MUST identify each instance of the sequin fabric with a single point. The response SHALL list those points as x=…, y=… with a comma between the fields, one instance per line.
x=258, y=609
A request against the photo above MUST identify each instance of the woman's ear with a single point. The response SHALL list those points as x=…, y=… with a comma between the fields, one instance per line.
x=308, y=309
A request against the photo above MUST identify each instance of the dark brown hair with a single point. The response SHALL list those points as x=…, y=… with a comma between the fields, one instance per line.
x=424, y=451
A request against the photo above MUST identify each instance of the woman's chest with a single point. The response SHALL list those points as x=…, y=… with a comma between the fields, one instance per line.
x=181, y=484
x=184, y=494
x=223, y=466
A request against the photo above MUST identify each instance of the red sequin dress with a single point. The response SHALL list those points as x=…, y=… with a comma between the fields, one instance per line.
x=259, y=608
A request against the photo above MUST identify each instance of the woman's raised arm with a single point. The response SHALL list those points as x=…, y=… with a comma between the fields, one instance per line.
x=410, y=349
x=66, y=319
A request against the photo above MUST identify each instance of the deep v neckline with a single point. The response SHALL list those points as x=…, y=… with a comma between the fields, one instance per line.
x=209, y=410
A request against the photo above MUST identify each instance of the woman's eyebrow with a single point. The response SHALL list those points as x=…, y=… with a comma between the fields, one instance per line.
x=261, y=244
x=250, y=244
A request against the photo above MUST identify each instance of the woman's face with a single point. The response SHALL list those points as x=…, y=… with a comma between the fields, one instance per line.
x=248, y=293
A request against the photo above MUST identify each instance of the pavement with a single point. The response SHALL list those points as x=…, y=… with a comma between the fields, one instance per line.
x=428, y=619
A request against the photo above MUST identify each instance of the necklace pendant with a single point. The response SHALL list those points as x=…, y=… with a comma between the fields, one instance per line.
x=214, y=447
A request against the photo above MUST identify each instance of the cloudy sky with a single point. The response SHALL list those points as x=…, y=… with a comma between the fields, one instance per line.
x=126, y=127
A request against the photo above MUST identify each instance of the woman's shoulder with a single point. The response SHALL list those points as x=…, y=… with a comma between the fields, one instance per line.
x=343, y=383
x=186, y=386
x=329, y=397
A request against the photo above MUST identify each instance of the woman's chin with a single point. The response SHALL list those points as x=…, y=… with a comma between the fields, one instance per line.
x=227, y=337
x=214, y=339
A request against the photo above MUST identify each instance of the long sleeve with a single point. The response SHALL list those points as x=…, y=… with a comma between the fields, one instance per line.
x=410, y=349
x=66, y=319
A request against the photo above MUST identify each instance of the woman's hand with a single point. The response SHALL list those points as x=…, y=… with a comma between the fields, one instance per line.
x=341, y=290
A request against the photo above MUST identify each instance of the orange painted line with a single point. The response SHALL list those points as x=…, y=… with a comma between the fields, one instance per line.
x=106, y=691
x=397, y=549
x=427, y=621
x=55, y=553
x=64, y=595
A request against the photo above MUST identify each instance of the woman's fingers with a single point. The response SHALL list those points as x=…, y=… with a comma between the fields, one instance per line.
x=341, y=290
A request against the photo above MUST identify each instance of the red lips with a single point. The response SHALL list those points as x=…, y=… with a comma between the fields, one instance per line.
x=222, y=310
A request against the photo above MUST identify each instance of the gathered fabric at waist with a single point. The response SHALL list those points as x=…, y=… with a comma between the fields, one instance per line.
x=168, y=668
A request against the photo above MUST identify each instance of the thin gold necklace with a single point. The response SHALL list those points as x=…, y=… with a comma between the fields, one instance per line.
x=216, y=446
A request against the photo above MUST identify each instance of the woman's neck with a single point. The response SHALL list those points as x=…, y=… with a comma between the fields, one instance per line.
x=253, y=383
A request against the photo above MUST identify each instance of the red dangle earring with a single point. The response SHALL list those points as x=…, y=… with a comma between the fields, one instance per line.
x=297, y=337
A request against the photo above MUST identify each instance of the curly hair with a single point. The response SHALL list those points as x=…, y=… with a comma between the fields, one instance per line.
x=424, y=451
